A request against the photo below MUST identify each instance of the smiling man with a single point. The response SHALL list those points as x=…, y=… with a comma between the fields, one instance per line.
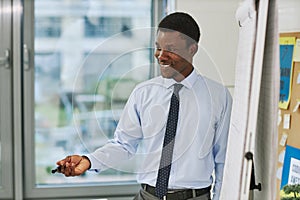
x=181, y=118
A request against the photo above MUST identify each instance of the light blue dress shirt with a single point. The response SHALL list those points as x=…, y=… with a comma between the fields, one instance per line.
x=201, y=138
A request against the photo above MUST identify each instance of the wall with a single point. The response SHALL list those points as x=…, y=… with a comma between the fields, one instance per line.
x=219, y=37
x=289, y=15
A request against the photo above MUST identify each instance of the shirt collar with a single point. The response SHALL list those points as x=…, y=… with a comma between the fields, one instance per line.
x=187, y=82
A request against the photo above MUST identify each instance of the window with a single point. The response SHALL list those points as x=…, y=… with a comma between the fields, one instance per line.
x=107, y=26
x=88, y=57
x=78, y=78
x=48, y=27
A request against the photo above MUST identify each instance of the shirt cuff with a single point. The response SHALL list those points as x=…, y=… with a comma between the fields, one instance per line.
x=95, y=165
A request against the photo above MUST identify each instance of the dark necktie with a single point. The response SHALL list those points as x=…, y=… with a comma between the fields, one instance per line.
x=162, y=181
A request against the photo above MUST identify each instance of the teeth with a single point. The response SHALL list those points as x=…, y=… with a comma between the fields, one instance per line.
x=165, y=65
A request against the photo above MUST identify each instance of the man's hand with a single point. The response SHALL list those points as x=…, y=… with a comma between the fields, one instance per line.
x=73, y=165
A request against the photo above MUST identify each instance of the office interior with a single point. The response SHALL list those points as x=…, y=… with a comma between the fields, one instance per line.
x=63, y=91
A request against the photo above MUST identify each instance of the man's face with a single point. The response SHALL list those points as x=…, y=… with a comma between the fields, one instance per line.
x=173, y=55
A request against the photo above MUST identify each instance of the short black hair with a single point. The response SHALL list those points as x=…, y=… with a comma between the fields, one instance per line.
x=183, y=23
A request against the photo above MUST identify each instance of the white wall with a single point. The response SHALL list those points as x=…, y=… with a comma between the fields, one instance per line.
x=220, y=33
x=219, y=37
x=289, y=15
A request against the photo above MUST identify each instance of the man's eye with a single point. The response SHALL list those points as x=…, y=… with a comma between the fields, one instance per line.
x=172, y=50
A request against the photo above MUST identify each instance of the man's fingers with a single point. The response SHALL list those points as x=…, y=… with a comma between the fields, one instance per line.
x=64, y=161
x=70, y=166
x=66, y=170
x=68, y=159
x=69, y=169
x=63, y=164
x=60, y=162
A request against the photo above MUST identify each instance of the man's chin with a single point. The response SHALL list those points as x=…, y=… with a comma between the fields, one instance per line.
x=167, y=72
x=166, y=76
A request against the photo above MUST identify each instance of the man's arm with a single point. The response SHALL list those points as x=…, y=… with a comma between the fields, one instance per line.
x=220, y=145
x=125, y=142
x=114, y=152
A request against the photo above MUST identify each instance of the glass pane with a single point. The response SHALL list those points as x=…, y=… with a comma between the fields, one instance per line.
x=89, y=55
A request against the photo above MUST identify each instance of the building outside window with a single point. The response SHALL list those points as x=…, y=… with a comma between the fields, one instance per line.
x=88, y=57
x=106, y=26
x=48, y=27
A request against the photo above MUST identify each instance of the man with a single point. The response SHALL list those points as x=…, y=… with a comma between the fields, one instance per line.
x=181, y=119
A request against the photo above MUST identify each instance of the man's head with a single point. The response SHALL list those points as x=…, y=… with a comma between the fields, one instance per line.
x=182, y=23
x=176, y=43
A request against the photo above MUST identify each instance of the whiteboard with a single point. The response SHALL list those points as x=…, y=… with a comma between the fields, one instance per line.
x=232, y=178
x=266, y=144
x=255, y=104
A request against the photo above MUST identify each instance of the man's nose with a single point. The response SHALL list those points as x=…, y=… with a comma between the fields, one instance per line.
x=162, y=54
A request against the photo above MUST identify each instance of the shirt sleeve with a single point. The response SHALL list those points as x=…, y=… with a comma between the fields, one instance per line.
x=220, y=145
x=125, y=142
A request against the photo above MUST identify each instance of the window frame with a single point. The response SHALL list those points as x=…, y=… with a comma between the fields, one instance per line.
x=6, y=129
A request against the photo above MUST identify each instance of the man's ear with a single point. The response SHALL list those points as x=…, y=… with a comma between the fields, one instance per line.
x=193, y=49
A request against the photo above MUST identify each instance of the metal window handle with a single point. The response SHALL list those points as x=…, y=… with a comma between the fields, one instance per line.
x=26, y=57
x=4, y=61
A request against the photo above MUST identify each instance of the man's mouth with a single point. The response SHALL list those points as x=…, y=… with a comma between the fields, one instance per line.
x=165, y=65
